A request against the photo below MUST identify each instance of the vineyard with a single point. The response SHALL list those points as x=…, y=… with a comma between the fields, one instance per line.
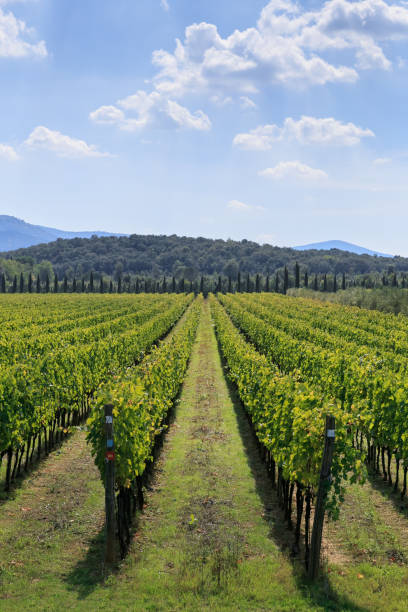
x=182, y=403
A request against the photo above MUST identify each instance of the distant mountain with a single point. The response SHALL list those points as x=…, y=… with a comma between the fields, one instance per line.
x=17, y=234
x=341, y=246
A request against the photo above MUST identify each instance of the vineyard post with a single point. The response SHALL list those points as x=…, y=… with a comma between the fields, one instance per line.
x=320, y=508
x=110, y=486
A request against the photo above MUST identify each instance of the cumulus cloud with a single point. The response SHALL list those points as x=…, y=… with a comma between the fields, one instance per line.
x=17, y=39
x=241, y=206
x=247, y=103
x=289, y=45
x=62, y=145
x=142, y=109
x=306, y=130
x=8, y=153
x=293, y=170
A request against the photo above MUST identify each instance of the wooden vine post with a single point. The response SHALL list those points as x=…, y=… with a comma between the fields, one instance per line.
x=110, y=513
x=320, y=508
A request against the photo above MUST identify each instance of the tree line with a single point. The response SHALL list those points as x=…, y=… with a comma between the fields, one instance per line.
x=280, y=282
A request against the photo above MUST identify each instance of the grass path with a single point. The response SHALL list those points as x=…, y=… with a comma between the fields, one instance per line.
x=211, y=536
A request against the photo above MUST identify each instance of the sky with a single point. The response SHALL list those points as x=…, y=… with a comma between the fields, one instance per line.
x=281, y=122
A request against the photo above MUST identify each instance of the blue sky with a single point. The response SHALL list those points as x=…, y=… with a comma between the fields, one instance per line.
x=279, y=122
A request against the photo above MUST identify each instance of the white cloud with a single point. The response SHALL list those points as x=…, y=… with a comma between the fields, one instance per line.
x=165, y=5
x=293, y=170
x=237, y=205
x=382, y=161
x=8, y=153
x=62, y=145
x=17, y=39
x=247, y=103
x=307, y=130
x=142, y=109
x=288, y=45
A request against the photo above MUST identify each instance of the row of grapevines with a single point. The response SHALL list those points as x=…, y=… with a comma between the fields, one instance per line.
x=288, y=415
x=350, y=323
x=141, y=399
x=30, y=341
x=306, y=329
x=41, y=395
x=376, y=395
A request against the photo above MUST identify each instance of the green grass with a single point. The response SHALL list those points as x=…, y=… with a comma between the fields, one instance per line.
x=211, y=536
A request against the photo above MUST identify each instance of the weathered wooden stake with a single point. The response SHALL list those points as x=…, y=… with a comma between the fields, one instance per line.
x=110, y=553
x=320, y=508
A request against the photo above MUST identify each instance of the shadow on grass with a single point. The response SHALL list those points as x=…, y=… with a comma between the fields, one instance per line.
x=90, y=571
x=321, y=593
x=32, y=469
x=387, y=491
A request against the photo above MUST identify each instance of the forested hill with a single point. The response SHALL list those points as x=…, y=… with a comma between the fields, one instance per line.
x=190, y=257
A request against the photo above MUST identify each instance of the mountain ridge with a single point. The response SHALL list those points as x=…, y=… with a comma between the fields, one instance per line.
x=17, y=234
x=341, y=245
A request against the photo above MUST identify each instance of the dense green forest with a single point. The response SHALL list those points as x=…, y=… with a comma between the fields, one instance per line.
x=189, y=258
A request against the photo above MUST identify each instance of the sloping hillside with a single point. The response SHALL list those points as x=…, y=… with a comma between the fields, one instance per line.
x=159, y=255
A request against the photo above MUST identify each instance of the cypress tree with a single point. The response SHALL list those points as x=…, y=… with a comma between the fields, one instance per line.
x=343, y=281
x=267, y=284
x=83, y=285
x=164, y=285
x=202, y=284
x=229, y=285
x=219, y=288
x=239, y=288
x=335, y=283
x=55, y=283
x=248, y=283
x=91, y=283
x=325, y=282
x=65, y=285
x=120, y=284
x=111, y=287
x=181, y=285
x=257, y=284
x=306, y=281
x=101, y=287
x=137, y=285
x=3, y=283
x=315, y=283
x=47, y=284
x=173, y=285
x=38, y=284
x=15, y=284
x=30, y=283
x=285, y=280
x=297, y=275
x=74, y=285
x=394, y=282
x=21, y=283
x=277, y=283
